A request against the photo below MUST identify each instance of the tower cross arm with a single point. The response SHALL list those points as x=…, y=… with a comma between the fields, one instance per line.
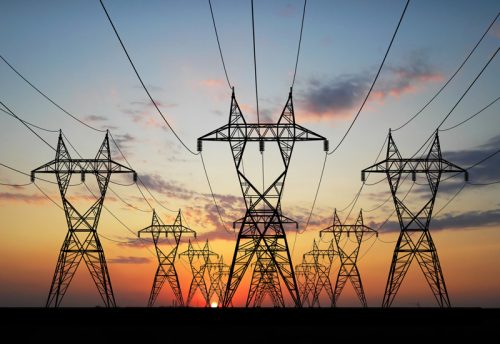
x=83, y=166
x=172, y=229
x=262, y=132
x=414, y=166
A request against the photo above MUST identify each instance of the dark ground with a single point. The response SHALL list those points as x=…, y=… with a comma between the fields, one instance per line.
x=240, y=325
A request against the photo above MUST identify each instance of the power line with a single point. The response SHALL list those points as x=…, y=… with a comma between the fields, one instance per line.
x=483, y=160
x=28, y=123
x=300, y=41
x=471, y=117
x=49, y=99
x=374, y=80
x=451, y=78
x=213, y=195
x=468, y=88
x=218, y=43
x=255, y=67
x=15, y=185
x=27, y=126
x=142, y=83
x=450, y=200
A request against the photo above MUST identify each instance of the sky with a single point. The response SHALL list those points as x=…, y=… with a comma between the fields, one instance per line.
x=69, y=51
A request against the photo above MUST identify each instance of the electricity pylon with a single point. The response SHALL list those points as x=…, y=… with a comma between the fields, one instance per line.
x=198, y=268
x=82, y=240
x=306, y=277
x=218, y=272
x=348, y=259
x=263, y=223
x=166, y=262
x=415, y=240
x=265, y=281
x=322, y=260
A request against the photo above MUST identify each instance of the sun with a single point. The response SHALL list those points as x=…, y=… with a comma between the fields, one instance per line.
x=214, y=304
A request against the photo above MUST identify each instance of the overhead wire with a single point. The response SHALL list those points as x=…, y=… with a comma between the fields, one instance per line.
x=218, y=44
x=255, y=67
x=452, y=76
x=374, y=81
x=300, y=41
x=29, y=123
x=472, y=116
x=142, y=83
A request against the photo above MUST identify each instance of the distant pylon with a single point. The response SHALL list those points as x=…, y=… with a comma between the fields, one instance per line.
x=265, y=281
x=166, y=262
x=218, y=272
x=322, y=260
x=82, y=240
x=415, y=240
x=198, y=269
x=348, y=259
x=306, y=280
x=263, y=222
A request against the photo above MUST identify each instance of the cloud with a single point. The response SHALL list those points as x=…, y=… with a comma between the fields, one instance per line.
x=487, y=171
x=287, y=11
x=19, y=197
x=495, y=30
x=147, y=103
x=167, y=188
x=129, y=260
x=339, y=98
x=150, y=87
x=471, y=219
x=94, y=118
x=212, y=83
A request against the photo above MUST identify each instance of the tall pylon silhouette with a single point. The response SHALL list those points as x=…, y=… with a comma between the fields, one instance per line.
x=262, y=227
x=218, y=272
x=415, y=239
x=166, y=262
x=348, y=258
x=198, y=260
x=322, y=260
x=306, y=280
x=82, y=241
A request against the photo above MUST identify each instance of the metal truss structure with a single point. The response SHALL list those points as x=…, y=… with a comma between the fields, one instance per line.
x=262, y=227
x=415, y=240
x=198, y=260
x=218, y=272
x=322, y=260
x=82, y=241
x=306, y=278
x=166, y=262
x=348, y=259
x=265, y=281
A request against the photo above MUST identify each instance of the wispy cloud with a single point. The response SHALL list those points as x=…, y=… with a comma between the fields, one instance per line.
x=94, y=118
x=23, y=198
x=212, y=83
x=168, y=188
x=339, y=98
x=129, y=260
x=471, y=219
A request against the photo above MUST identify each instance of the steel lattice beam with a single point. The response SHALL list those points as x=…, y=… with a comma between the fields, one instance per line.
x=166, y=262
x=198, y=269
x=262, y=226
x=82, y=241
x=415, y=240
x=348, y=259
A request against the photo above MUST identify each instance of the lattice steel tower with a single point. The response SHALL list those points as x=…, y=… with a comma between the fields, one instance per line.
x=415, y=240
x=198, y=270
x=166, y=262
x=322, y=260
x=348, y=259
x=306, y=280
x=263, y=222
x=218, y=272
x=82, y=240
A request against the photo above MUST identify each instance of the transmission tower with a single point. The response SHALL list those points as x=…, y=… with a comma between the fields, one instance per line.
x=348, y=259
x=81, y=240
x=198, y=268
x=218, y=272
x=166, y=262
x=265, y=281
x=306, y=278
x=263, y=223
x=322, y=260
x=415, y=240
